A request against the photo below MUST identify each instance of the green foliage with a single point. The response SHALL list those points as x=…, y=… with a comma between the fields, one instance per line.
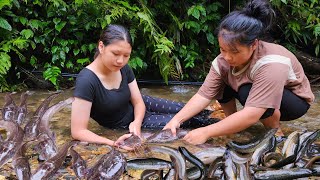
x=52, y=73
x=5, y=24
x=5, y=63
x=201, y=21
x=61, y=35
x=136, y=63
x=300, y=22
x=5, y=3
x=170, y=38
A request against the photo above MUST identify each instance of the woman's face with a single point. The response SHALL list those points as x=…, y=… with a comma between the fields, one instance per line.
x=237, y=56
x=115, y=55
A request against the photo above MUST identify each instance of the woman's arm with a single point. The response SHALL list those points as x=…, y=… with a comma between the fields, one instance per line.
x=139, y=108
x=80, y=115
x=234, y=123
x=196, y=104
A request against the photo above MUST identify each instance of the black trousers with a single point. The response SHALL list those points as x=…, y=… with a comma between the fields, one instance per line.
x=160, y=111
x=292, y=106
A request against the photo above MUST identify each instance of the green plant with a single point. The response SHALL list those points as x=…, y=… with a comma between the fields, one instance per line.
x=58, y=36
x=51, y=73
x=300, y=22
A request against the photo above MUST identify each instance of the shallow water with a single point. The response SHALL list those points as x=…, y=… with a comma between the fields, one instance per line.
x=60, y=124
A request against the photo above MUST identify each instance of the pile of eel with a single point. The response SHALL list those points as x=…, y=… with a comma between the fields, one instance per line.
x=260, y=158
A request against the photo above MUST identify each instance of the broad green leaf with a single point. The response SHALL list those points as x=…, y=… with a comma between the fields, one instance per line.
x=316, y=30
x=60, y=25
x=79, y=2
x=27, y=33
x=37, y=2
x=56, y=20
x=76, y=51
x=63, y=55
x=210, y=38
x=140, y=63
x=54, y=58
x=66, y=49
x=69, y=65
x=54, y=49
x=33, y=61
x=84, y=48
x=194, y=12
x=83, y=61
x=63, y=42
x=4, y=24
x=16, y=3
x=23, y=20
x=33, y=45
x=92, y=47
x=35, y=24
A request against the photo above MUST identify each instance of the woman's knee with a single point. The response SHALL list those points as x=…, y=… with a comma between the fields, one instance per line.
x=292, y=107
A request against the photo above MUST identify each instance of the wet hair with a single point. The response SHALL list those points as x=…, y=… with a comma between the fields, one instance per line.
x=114, y=33
x=246, y=25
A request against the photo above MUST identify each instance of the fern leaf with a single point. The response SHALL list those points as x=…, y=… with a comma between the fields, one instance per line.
x=5, y=63
x=20, y=43
x=4, y=3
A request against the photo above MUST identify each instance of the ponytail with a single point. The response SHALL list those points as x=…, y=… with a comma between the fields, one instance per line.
x=246, y=25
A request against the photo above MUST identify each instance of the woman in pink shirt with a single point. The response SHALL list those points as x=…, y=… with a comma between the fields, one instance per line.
x=266, y=78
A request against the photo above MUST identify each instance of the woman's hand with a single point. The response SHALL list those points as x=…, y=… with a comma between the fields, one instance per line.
x=196, y=136
x=135, y=128
x=172, y=125
x=120, y=140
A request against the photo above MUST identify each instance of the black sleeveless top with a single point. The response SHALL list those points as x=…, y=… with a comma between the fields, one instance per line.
x=110, y=108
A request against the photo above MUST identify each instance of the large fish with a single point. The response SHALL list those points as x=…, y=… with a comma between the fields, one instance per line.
x=48, y=148
x=292, y=173
x=13, y=141
x=194, y=160
x=291, y=147
x=31, y=129
x=110, y=166
x=258, y=154
x=79, y=165
x=305, y=144
x=252, y=145
x=165, y=136
x=22, y=110
x=230, y=170
x=179, y=163
x=44, y=123
x=48, y=168
x=209, y=153
x=9, y=108
x=20, y=162
x=148, y=163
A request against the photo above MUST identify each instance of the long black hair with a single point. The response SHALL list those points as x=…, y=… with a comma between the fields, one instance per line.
x=114, y=32
x=246, y=25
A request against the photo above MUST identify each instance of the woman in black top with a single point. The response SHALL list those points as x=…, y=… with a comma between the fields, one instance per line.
x=106, y=91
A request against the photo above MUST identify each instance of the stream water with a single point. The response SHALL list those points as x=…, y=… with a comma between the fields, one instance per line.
x=60, y=124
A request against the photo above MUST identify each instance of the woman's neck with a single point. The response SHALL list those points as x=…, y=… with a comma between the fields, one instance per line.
x=98, y=67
